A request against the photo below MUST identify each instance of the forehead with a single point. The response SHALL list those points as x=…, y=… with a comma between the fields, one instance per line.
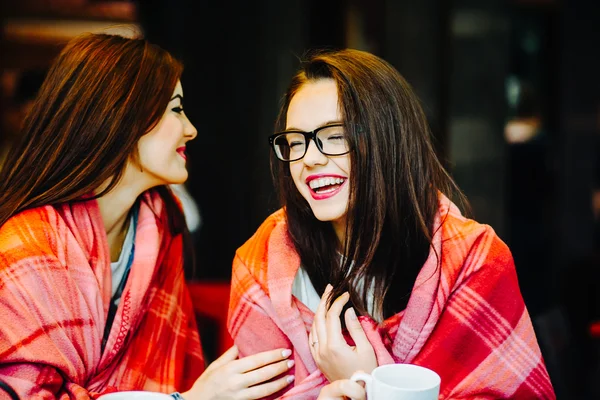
x=315, y=104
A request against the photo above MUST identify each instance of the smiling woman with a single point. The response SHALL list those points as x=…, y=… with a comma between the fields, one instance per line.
x=93, y=297
x=321, y=177
x=368, y=228
x=162, y=149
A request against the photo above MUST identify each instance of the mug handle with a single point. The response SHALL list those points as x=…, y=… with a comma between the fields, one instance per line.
x=367, y=379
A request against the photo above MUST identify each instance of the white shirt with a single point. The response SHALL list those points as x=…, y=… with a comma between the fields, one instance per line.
x=119, y=267
x=303, y=290
x=191, y=211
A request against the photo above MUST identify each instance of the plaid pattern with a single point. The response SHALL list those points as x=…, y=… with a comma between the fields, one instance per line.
x=465, y=319
x=55, y=290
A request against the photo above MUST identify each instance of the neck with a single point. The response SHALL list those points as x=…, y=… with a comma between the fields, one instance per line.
x=114, y=209
x=339, y=227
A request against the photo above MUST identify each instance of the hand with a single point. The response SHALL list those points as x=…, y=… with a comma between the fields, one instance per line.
x=229, y=378
x=334, y=357
x=342, y=389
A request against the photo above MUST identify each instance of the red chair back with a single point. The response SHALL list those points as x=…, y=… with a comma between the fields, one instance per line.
x=211, y=301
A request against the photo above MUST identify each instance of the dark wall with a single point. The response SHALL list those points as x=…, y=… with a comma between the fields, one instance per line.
x=238, y=58
x=579, y=101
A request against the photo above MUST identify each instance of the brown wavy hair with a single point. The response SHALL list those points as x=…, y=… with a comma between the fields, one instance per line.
x=395, y=177
x=101, y=95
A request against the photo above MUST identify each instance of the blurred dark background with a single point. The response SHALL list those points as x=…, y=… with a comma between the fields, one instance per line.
x=510, y=88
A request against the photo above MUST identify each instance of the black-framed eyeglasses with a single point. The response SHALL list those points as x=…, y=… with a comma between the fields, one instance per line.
x=289, y=146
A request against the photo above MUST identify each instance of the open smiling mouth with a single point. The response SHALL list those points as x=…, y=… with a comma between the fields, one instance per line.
x=325, y=187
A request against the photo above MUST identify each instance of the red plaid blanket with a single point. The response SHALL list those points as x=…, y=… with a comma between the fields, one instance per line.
x=465, y=319
x=55, y=287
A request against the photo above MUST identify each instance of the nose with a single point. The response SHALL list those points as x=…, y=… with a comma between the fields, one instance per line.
x=314, y=156
x=189, y=130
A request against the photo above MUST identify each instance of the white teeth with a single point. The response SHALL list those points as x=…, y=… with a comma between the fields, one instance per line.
x=321, y=182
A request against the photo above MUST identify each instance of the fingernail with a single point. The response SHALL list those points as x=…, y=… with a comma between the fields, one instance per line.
x=290, y=379
x=328, y=287
x=352, y=313
x=290, y=363
x=286, y=353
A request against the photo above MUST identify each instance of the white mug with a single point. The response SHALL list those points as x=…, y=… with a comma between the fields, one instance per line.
x=400, y=382
x=135, y=395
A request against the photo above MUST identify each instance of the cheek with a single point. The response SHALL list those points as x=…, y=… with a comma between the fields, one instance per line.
x=344, y=164
x=296, y=172
x=167, y=133
x=165, y=138
x=151, y=152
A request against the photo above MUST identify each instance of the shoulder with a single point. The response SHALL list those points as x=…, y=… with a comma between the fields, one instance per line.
x=259, y=241
x=456, y=227
x=29, y=234
x=253, y=253
x=33, y=224
x=471, y=246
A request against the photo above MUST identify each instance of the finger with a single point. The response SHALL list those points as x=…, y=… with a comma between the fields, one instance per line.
x=355, y=329
x=230, y=355
x=312, y=344
x=334, y=325
x=258, y=360
x=314, y=341
x=320, y=320
x=266, y=389
x=361, y=383
x=351, y=389
x=342, y=389
x=265, y=373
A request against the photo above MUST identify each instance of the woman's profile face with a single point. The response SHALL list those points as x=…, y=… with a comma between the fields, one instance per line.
x=162, y=149
x=322, y=180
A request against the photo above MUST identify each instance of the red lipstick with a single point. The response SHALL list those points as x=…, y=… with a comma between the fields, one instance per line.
x=181, y=152
x=328, y=194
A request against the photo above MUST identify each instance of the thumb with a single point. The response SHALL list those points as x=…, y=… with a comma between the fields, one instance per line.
x=230, y=355
x=360, y=382
x=355, y=328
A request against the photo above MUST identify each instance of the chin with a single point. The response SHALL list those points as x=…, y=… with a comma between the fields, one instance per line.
x=179, y=178
x=328, y=215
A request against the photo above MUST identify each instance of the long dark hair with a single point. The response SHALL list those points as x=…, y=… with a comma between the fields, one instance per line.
x=101, y=94
x=395, y=181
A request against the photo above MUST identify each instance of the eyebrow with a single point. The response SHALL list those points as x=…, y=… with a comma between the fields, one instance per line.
x=291, y=128
x=177, y=96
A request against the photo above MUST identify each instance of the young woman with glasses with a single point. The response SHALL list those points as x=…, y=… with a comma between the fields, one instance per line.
x=369, y=261
x=93, y=297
